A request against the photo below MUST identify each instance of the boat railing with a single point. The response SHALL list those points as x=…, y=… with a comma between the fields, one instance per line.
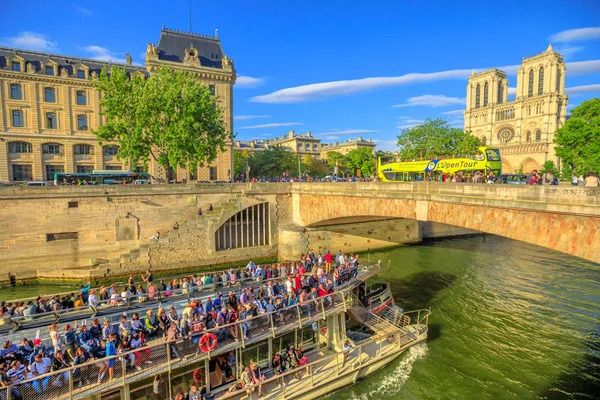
x=123, y=304
x=168, y=355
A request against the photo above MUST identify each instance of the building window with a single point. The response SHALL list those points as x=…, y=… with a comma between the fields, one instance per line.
x=111, y=150
x=541, y=81
x=16, y=66
x=140, y=169
x=22, y=172
x=50, y=71
x=80, y=74
x=81, y=98
x=307, y=147
x=247, y=228
x=530, y=92
x=477, y=94
x=82, y=123
x=54, y=169
x=52, y=148
x=82, y=149
x=500, y=92
x=17, y=118
x=558, y=79
x=505, y=135
x=113, y=168
x=315, y=147
x=483, y=140
x=299, y=146
x=20, y=147
x=212, y=172
x=85, y=169
x=528, y=137
x=212, y=89
x=16, y=91
x=49, y=95
x=538, y=135
x=51, y=122
x=485, y=94
x=559, y=112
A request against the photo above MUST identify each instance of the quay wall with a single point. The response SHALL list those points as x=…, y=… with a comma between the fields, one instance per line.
x=52, y=232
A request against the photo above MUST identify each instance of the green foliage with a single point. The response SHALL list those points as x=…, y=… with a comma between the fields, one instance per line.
x=435, y=138
x=520, y=170
x=578, y=140
x=273, y=163
x=361, y=162
x=170, y=116
x=312, y=167
x=240, y=162
x=549, y=166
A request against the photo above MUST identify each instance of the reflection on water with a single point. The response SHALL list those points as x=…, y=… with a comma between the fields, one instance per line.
x=509, y=320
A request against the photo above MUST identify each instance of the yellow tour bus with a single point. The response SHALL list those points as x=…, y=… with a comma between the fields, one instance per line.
x=486, y=160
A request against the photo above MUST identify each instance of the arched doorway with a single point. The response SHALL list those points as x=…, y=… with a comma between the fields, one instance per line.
x=529, y=164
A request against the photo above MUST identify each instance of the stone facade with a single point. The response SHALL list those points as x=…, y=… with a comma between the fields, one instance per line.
x=52, y=232
x=523, y=129
x=48, y=108
x=347, y=146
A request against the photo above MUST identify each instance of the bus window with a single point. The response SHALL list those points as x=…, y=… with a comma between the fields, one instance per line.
x=492, y=154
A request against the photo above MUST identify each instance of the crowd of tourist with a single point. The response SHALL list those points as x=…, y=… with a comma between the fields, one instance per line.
x=314, y=276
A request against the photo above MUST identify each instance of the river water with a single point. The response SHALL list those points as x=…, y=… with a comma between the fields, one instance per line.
x=509, y=320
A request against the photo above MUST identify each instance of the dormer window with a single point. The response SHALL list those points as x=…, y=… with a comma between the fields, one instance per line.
x=16, y=66
x=49, y=70
x=80, y=74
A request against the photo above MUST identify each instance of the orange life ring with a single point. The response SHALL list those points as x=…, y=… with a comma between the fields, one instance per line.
x=208, y=342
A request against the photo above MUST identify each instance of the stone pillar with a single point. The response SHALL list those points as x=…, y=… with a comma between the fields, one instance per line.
x=4, y=175
x=69, y=159
x=98, y=157
x=292, y=242
x=37, y=162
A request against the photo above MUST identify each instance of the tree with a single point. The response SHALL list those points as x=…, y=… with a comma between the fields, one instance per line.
x=240, y=162
x=335, y=159
x=549, y=166
x=435, y=138
x=578, y=140
x=273, y=163
x=312, y=167
x=362, y=160
x=169, y=116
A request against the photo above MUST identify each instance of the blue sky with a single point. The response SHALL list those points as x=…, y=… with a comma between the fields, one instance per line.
x=335, y=68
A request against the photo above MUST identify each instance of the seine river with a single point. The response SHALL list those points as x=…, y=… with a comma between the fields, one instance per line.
x=510, y=320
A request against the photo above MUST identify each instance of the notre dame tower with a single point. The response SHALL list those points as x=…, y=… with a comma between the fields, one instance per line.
x=523, y=129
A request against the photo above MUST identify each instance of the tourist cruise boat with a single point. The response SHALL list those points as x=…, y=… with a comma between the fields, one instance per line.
x=320, y=328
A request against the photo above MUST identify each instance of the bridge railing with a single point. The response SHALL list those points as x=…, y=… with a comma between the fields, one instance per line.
x=160, y=356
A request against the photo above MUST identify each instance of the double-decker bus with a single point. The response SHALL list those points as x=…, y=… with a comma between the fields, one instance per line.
x=488, y=159
x=101, y=178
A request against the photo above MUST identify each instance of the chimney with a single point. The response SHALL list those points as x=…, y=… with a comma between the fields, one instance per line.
x=253, y=144
x=369, y=140
x=359, y=139
x=255, y=141
x=291, y=134
x=237, y=143
x=308, y=134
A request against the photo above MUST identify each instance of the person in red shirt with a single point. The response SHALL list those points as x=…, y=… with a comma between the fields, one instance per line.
x=298, y=283
x=328, y=261
x=322, y=292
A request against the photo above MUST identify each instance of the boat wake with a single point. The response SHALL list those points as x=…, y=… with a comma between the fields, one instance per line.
x=393, y=382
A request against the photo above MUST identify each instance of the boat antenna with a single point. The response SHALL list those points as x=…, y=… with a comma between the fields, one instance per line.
x=389, y=278
x=369, y=256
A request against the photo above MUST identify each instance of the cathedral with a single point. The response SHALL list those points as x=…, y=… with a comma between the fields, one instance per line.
x=522, y=129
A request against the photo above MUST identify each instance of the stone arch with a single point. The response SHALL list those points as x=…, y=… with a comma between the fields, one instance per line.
x=127, y=227
x=529, y=164
x=249, y=227
x=507, y=168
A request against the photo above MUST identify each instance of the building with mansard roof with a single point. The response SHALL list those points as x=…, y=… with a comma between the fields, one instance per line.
x=523, y=129
x=48, y=108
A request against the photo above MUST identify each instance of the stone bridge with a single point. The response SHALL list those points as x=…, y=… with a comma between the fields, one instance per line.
x=83, y=232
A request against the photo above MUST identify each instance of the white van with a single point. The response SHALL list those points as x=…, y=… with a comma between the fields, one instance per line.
x=37, y=183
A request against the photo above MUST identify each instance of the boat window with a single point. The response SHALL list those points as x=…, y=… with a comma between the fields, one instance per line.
x=492, y=154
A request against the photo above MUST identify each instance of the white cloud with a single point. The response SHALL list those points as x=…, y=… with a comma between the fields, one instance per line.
x=386, y=145
x=103, y=54
x=432, y=100
x=575, y=35
x=350, y=132
x=248, y=82
x=568, y=51
x=595, y=88
x=83, y=11
x=31, y=41
x=512, y=91
x=272, y=125
x=454, y=112
x=583, y=67
x=245, y=117
x=318, y=91
x=411, y=124
x=331, y=137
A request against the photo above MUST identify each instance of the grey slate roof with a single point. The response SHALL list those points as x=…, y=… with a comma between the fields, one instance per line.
x=172, y=45
x=36, y=58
